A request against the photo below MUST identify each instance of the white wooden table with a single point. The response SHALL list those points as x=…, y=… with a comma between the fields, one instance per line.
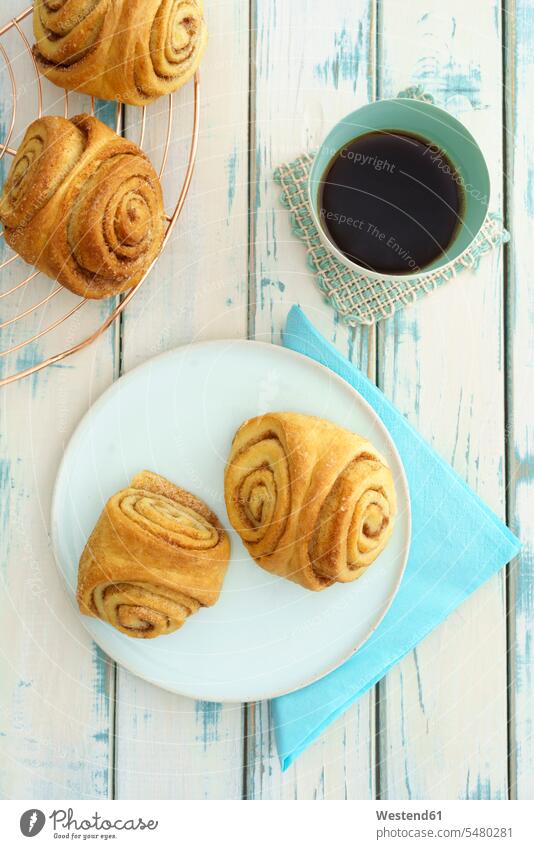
x=455, y=718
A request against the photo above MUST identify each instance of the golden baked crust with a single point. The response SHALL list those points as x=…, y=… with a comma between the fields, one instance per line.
x=311, y=501
x=156, y=555
x=133, y=51
x=83, y=205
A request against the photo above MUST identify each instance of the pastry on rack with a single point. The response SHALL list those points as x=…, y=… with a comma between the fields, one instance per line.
x=83, y=205
x=311, y=501
x=156, y=555
x=128, y=50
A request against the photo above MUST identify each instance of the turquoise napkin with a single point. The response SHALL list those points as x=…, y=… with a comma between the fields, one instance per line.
x=457, y=544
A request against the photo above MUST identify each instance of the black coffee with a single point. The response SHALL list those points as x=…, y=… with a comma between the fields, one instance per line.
x=391, y=201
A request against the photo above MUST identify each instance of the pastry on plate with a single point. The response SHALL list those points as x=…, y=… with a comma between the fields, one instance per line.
x=156, y=556
x=132, y=51
x=83, y=205
x=311, y=501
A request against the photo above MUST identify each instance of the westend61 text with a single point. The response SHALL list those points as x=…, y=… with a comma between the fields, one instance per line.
x=424, y=816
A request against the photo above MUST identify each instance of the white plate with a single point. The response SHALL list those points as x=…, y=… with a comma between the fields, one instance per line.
x=176, y=415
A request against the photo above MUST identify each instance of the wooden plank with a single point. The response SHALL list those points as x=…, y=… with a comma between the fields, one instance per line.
x=519, y=82
x=56, y=687
x=311, y=68
x=443, y=710
x=167, y=746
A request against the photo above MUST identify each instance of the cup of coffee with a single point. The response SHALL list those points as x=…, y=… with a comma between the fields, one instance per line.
x=398, y=188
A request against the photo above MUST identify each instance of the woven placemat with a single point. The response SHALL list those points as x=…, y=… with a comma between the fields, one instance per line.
x=358, y=298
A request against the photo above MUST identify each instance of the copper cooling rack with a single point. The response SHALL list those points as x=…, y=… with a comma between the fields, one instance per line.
x=12, y=327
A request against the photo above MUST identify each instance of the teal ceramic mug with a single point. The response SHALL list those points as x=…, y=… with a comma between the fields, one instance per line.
x=447, y=138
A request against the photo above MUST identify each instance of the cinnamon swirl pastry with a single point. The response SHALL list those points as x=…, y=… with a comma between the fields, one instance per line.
x=83, y=205
x=128, y=50
x=311, y=501
x=156, y=555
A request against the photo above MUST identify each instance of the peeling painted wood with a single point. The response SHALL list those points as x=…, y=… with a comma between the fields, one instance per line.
x=310, y=70
x=56, y=689
x=167, y=746
x=443, y=709
x=519, y=21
